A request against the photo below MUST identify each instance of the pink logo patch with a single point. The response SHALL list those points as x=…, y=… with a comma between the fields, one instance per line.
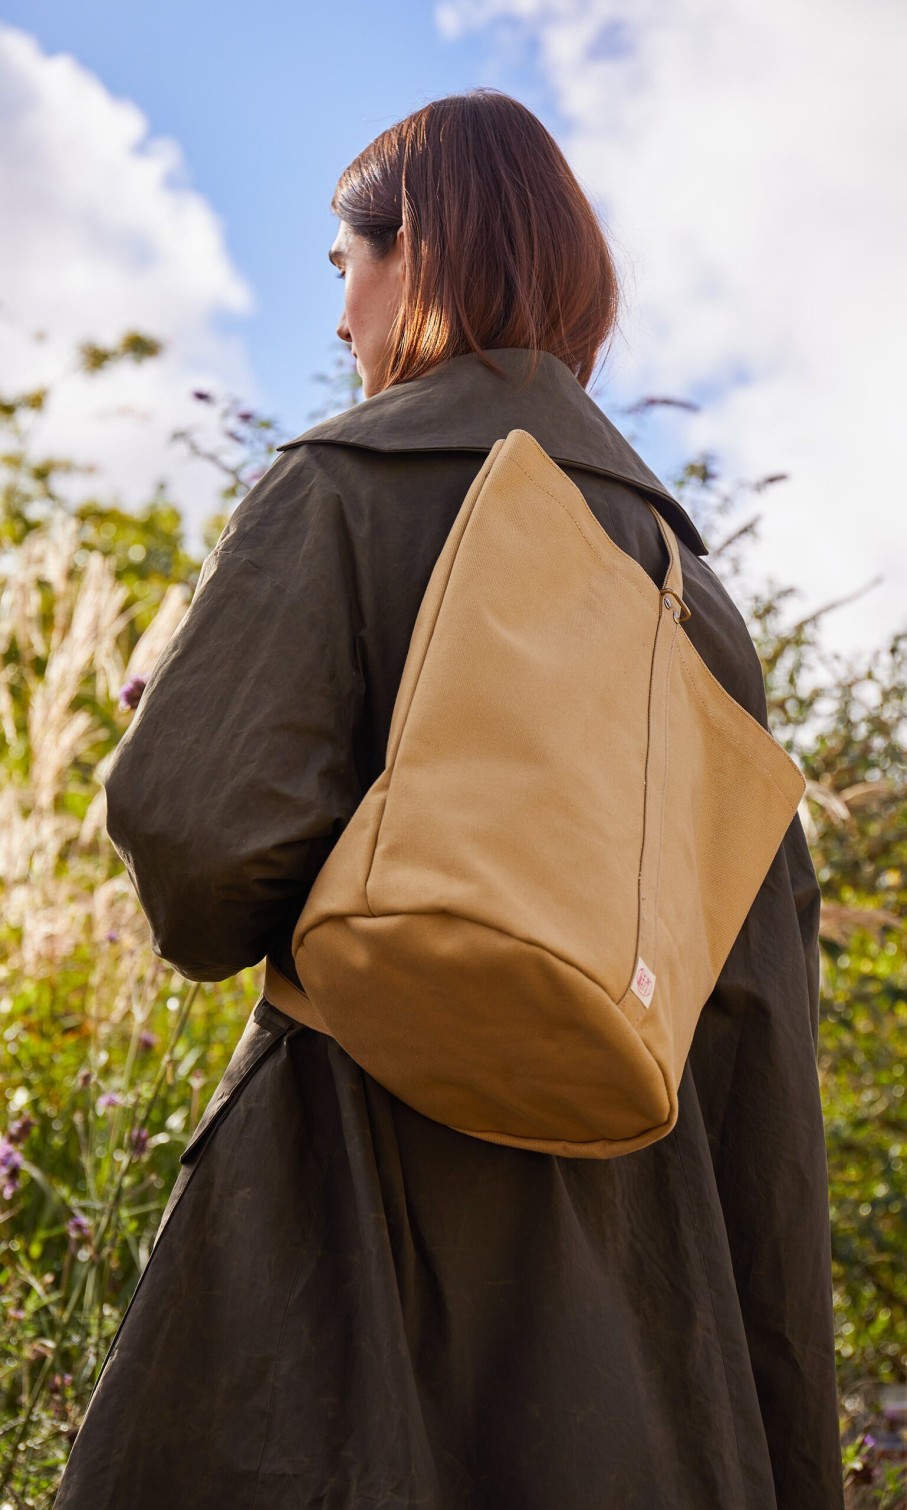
x=643, y=982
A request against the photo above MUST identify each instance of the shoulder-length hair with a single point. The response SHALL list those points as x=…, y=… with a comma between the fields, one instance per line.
x=503, y=246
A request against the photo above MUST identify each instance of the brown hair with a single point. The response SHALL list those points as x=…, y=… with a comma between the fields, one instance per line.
x=503, y=246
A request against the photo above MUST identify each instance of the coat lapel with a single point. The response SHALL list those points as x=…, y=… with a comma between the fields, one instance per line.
x=462, y=406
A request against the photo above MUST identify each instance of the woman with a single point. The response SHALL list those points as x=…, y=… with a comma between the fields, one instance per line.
x=349, y=1304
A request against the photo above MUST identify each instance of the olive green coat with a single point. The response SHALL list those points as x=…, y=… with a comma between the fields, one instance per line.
x=348, y=1304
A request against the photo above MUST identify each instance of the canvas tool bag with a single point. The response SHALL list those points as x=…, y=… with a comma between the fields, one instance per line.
x=519, y=926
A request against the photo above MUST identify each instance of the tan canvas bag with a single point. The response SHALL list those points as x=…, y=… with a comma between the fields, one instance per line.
x=518, y=928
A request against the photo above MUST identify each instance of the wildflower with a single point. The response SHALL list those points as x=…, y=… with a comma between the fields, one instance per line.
x=84, y=1079
x=245, y=415
x=139, y=1140
x=147, y=1039
x=16, y=1313
x=18, y=1131
x=869, y=1440
x=109, y=1098
x=202, y=395
x=10, y=1157
x=10, y=1164
x=78, y=1227
x=112, y=936
x=131, y=691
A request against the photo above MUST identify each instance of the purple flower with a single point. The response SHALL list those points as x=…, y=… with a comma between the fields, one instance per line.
x=139, y=1140
x=245, y=415
x=147, y=1039
x=869, y=1440
x=78, y=1227
x=10, y=1157
x=131, y=691
x=203, y=396
x=10, y=1164
x=109, y=1098
x=19, y=1130
x=16, y=1313
x=112, y=936
x=84, y=1078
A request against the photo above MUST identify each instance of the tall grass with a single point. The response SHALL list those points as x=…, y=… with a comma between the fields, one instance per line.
x=108, y=1055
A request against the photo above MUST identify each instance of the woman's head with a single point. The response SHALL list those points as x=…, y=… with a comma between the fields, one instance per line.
x=463, y=228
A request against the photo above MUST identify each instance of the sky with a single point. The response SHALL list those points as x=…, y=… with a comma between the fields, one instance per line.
x=170, y=169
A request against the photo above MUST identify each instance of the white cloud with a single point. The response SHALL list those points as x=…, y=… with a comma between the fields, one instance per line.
x=100, y=234
x=747, y=159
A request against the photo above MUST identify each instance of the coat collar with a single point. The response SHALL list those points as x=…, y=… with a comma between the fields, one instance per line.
x=461, y=406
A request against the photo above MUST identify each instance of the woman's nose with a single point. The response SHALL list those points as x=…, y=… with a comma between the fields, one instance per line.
x=343, y=330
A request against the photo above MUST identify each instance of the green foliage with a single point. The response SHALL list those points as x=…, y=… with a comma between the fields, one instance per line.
x=132, y=346
x=146, y=549
x=845, y=722
x=98, y=1124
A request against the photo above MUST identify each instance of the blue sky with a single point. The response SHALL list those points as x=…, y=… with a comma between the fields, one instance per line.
x=170, y=168
x=269, y=103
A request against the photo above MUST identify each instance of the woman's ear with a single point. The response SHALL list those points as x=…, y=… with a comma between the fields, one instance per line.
x=401, y=246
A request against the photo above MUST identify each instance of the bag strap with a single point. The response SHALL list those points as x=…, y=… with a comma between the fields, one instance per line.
x=673, y=582
x=285, y=994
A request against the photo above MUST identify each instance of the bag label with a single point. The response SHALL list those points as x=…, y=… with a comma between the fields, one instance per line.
x=643, y=982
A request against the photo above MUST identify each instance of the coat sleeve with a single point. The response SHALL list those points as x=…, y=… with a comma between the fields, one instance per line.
x=237, y=773
x=754, y=1061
